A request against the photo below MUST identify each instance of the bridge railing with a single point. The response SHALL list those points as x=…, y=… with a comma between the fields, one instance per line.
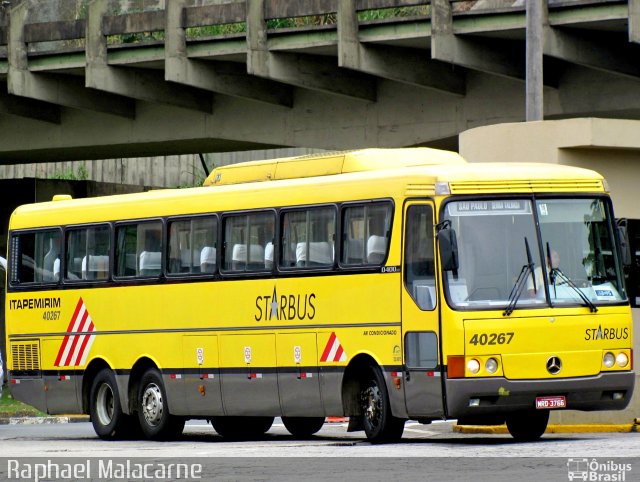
x=281, y=15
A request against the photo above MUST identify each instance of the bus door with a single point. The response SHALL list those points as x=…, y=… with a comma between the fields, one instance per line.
x=421, y=332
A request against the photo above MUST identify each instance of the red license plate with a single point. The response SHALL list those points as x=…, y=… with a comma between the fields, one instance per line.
x=545, y=403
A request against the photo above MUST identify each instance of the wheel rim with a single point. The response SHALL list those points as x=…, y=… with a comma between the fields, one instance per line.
x=152, y=405
x=372, y=403
x=104, y=404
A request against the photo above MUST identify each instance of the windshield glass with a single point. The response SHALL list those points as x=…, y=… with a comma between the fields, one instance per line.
x=498, y=245
x=577, y=234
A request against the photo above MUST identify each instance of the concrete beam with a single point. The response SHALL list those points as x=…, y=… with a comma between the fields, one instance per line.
x=142, y=84
x=66, y=91
x=401, y=65
x=491, y=58
x=29, y=108
x=305, y=71
x=594, y=53
x=220, y=77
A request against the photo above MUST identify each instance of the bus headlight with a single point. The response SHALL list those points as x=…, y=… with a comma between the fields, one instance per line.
x=473, y=366
x=622, y=359
x=608, y=359
x=491, y=365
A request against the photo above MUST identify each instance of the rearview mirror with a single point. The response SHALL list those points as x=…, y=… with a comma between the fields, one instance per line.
x=448, y=249
x=625, y=249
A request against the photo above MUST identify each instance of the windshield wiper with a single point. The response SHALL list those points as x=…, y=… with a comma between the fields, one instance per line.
x=564, y=279
x=521, y=281
x=555, y=273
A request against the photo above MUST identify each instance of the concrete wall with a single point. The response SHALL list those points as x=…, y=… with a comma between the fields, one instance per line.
x=165, y=171
x=609, y=146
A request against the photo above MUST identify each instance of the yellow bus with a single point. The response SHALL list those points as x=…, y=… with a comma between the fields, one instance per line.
x=380, y=284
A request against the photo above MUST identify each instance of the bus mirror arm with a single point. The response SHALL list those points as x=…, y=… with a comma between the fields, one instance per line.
x=448, y=248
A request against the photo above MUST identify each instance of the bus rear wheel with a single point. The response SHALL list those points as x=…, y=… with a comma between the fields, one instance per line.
x=153, y=412
x=379, y=424
x=239, y=428
x=109, y=422
x=528, y=426
x=303, y=426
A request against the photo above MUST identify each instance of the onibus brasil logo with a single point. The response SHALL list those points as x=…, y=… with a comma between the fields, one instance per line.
x=595, y=470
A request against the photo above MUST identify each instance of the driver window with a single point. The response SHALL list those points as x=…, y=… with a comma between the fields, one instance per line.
x=419, y=265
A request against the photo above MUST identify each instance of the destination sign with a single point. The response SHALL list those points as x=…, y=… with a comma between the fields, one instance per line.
x=492, y=207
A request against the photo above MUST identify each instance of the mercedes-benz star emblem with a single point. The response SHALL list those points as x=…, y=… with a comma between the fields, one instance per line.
x=554, y=365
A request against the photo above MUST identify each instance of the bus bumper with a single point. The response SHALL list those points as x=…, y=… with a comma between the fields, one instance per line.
x=487, y=398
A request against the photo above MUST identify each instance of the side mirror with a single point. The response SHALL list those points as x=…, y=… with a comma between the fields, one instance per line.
x=448, y=249
x=625, y=249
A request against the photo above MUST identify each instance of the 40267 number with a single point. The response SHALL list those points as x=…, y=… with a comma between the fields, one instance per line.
x=491, y=338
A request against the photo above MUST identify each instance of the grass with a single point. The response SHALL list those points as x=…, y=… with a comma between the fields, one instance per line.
x=9, y=407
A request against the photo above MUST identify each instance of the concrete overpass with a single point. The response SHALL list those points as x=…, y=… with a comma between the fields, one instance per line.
x=348, y=75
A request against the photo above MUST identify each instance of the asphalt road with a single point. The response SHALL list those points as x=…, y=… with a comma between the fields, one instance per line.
x=426, y=452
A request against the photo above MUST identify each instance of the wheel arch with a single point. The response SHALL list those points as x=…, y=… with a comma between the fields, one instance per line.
x=137, y=371
x=94, y=367
x=354, y=375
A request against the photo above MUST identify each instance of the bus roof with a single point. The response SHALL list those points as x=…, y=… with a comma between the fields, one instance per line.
x=416, y=173
x=330, y=163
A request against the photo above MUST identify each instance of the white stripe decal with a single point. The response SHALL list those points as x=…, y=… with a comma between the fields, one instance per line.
x=87, y=349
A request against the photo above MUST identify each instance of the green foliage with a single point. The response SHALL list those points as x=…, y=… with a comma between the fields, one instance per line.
x=216, y=30
x=386, y=13
x=306, y=21
x=80, y=175
x=134, y=38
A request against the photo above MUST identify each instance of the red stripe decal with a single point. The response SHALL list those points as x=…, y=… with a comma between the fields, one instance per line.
x=339, y=353
x=69, y=328
x=75, y=340
x=327, y=349
x=85, y=341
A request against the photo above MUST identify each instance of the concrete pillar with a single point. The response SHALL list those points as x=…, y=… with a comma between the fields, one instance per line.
x=634, y=21
x=536, y=18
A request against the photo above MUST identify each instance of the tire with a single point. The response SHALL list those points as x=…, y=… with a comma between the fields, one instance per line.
x=155, y=420
x=105, y=410
x=379, y=424
x=241, y=428
x=528, y=426
x=303, y=427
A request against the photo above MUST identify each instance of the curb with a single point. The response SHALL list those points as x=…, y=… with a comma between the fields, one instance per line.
x=553, y=428
x=43, y=420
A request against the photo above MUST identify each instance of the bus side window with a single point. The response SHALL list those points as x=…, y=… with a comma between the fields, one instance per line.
x=308, y=237
x=38, y=257
x=366, y=230
x=88, y=251
x=139, y=249
x=246, y=237
x=192, y=246
x=419, y=266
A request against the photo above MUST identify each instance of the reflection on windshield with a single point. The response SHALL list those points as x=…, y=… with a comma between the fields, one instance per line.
x=576, y=238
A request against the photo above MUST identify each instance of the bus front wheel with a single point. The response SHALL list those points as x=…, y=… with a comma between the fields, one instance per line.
x=303, y=426
x=153, y=412
x=379, y=424
x=527, y=426
x=109, y=422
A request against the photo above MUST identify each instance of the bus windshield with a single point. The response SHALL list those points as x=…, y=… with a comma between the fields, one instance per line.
x=504, y=261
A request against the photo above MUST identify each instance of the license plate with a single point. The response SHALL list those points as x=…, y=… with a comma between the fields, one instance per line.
x=558, y=401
